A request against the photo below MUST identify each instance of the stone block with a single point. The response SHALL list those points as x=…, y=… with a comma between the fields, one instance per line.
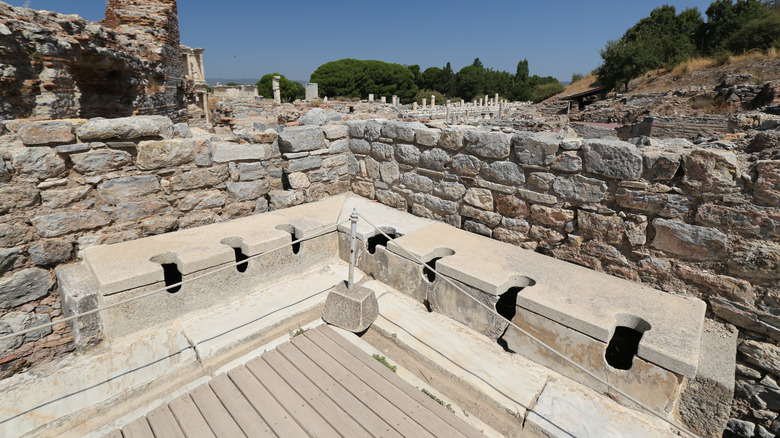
x=227, y=152
x=745, y=219
x=118, y=190
x=435, y=159
x=352, y=310
x=60, y=224
x=24, y=286
x=407, y=153
x=40, y=162
x=319, y=117
x=10, y=259
x=18, y=321
x=451, y=138
x=401, y=131
x=690, y=242
x=13, y=234
x=166, y=153
x=17, y=196
x=281, y=199
x=450, y=190
x=661, y=165
x=202, y=201
x=46, y=133
x=495, y=145
x=416, y=182
x=251, y=171
x=133, y=211
x=705, y=402
x=357, y=128
x=667, y=205
x=302, y=164
x=73, y=148
x=248, y=191
x=64, y=197
x=182, y=130
x=199, y=178
x=126, y=128
x=567, y=162
x=767, y=187
x=757, y=260
x=335, y=131
x=360, y=146
x=578, y=188
x=428, y=136
x=301, y=139
x=710, y=171
x=613, y=159
x=504, y=172
x=511, y=206
x=50, y=252
x=339, y=146
x=467, y=165
x=267, y=136
x=551, y=217
x=101, y=161
x=480, y=198
x=536, y=149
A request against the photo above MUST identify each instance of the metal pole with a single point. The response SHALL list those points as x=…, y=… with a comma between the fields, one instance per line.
x=353, y=218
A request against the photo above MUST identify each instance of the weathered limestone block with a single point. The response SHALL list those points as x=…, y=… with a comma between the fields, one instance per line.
x=690, y=242
x=251, y=171
x=199, y=178
x=13, y=234
x=133, y=211
x=202, y=200
x=391, y=198
x=745, y=219
x=428, y=136
x=545, y=235
x=767, y=188
x=381, y=151
x=747, y=317
x=203, y=154
x=60, y=224
x=10, y=259
x=504, y=172
x=360, y=146
x=466, y=165
x=402, y=131
x=40, y=162
x=372, y=168
x=47, y=133
x=567, y=162
x=357, y=128
x=18, y=321
x=765, y=140
x=579, y=188
x=159, y=225
x=301, y=139
x=418, y=183
x=511, y=206
x=764, y=355
x=486, y=217
x=666, y=205
x=166, y=153
x=759, y=260
x=389, y=172
x=17, y=196
x=551, y=217
x=731, y=288
x=477, y=228
x=182, y=130
x=496, y=145
x=610, y=229
x=76, y=148
x=24, y=286
x=451, y=139
x=64, y=197
x=661, y=165
x=335, y=131
x=435, y=159
x=613, y=159
x=352, y=310
x=101, y=161
x=126, y=128
x=248, y=191
x=79, y=293
x=117, y=190
x=536, y=198
x=374, y=129
x=280, y=199
x=50, y=252
x=305, y=163
x=709, y=170
x=319, y=117
x=764, y=394
x=480, y=198
x=450, y=190
x=440, y=206
x=339, y=146
x=536, y=149
x=298, y=180
x=541, y=181
x=227, y=152
x=705, y=401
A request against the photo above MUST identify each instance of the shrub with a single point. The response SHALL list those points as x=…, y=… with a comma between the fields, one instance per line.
x=545, y=91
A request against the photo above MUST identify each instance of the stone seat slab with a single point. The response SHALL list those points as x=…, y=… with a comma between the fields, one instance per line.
x=128, y=265
x=380, y=215
x=590, y=302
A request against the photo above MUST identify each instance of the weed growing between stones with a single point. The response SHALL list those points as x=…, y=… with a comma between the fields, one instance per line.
x=383, y=361
x=438, y=400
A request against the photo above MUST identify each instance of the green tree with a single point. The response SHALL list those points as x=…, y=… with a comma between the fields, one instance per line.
x=470, y=82
x=415, y=69
x=477, y=63
x=724, y=19
x=760, y=33
x=358, y=78
x=663, y=39
x=434, y=78
x=577, y=77
x=288, y=89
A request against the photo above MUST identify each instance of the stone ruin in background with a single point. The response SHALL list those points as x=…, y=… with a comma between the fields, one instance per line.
x=57, y=66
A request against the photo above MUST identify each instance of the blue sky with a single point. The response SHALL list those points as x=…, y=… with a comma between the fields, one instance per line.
x=249, y=38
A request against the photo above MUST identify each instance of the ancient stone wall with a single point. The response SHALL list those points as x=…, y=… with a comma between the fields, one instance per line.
x=67, y=185
x=56, y=66
x=690, y=220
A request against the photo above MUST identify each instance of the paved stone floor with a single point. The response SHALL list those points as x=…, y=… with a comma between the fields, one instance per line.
x=317, y=385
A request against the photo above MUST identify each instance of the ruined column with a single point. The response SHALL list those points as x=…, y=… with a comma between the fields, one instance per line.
x=414, y=106
x=395, y=100
x=425, y=101
x=433, y=101
x=383, y=99
x=312, y=91
x=370, y=98
x=277, y=90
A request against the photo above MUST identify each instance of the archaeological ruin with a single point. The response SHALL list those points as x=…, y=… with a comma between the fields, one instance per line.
x=560, y=269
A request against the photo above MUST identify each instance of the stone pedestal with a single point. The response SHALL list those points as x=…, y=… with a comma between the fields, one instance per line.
x=276, y=89
x=353, y=310
x=312, y=91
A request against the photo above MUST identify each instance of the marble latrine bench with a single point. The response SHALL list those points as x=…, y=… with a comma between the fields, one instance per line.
x=113, y=273
x=648, y=343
